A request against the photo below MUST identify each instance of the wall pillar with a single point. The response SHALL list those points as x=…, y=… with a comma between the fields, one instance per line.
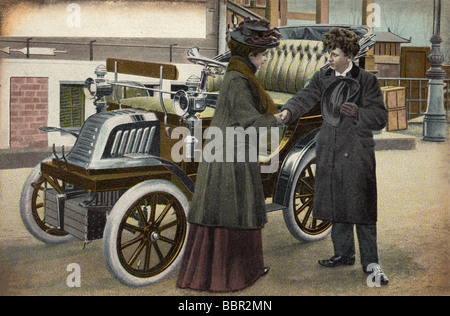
x=322, y=11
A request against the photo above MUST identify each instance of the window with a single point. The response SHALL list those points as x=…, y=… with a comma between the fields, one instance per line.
x=260, y=3
x=255, y=3
x=72, y=101
x=120, y=92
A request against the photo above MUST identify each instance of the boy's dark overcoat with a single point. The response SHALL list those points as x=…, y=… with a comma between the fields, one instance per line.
x=346, y=189
x=230, y=194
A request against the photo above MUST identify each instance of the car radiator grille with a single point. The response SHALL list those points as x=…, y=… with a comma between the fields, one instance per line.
x=114, y=134
x=133, y=141
x=82, y=151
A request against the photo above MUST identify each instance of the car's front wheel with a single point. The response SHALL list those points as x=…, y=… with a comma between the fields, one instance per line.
x=145, y=233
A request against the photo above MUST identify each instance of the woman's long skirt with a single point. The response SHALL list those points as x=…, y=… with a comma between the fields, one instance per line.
x=220, y=259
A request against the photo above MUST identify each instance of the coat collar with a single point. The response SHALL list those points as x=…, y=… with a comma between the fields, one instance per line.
x=246, y=62
x=243, y=66
x=353, y=73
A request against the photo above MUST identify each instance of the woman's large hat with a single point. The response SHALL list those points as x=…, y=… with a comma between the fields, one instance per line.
x=256, y=33
x=342, y=90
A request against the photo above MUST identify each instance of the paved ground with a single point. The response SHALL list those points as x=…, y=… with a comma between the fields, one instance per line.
x=413, y=242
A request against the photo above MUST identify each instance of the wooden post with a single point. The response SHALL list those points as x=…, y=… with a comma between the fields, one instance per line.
x=283, y=12
x=322, y=11
x=369, y=59
x=222, y=36
x=272, y=12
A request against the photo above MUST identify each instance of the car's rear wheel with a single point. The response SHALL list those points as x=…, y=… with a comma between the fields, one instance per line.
x=298, y=216
x=32, y=206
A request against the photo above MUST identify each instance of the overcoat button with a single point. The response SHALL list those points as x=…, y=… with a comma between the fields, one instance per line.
x=346, y=155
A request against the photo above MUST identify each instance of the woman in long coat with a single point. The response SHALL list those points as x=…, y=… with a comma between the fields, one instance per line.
x=346, y=189
x=224, y=246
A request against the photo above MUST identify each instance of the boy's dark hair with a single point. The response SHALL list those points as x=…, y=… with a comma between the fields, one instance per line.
x=341, y=38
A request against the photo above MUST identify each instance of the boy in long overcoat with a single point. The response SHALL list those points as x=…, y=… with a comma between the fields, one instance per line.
x=346, y=191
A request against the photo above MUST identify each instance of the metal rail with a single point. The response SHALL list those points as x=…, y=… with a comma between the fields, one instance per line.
x=408, y=84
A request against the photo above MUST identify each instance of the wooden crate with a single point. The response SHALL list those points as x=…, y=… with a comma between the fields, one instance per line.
x=394, y=98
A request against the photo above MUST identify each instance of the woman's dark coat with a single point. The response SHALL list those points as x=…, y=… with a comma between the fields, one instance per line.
x=346, y=189
x=230, y=194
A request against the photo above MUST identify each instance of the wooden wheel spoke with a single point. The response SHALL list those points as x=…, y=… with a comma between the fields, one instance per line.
x=164, y=212
x=38, y=184
x=147, y=257
x=303, y=207
x=141, y=215
x=167, y=240
x=158, y=252
x=311, y=174
x=131, y=242
x=302, y=196
x=307, y=184
x=132, y=227
x=39, y=205
x=307, y=216
x=136, y=253
x=168, y=225
x=153, y=209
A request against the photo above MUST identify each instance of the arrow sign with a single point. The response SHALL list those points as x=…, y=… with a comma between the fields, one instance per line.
x=34, y=51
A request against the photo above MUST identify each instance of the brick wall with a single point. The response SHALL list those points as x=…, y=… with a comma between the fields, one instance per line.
x=28, y=112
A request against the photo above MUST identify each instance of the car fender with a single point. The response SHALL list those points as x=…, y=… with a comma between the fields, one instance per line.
x=183, y=177
x=148, y=161
x=291, y=162
x=143, y=161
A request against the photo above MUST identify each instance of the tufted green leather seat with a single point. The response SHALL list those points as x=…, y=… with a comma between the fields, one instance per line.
x=289, y=68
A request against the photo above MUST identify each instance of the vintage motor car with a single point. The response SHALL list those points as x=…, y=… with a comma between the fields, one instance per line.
x=121, y=184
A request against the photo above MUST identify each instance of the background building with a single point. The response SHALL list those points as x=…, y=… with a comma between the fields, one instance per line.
x=48, y=48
